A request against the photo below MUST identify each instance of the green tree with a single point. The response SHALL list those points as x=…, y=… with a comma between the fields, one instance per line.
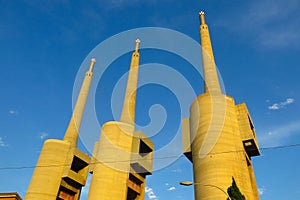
x=234, y=192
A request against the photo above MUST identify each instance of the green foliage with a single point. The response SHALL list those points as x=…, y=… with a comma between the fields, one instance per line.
x=234, y=192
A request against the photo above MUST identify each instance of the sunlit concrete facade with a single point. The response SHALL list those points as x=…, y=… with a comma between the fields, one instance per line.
x=219, y=136
x=10, y=196
x=62, y=169
x=122, y=158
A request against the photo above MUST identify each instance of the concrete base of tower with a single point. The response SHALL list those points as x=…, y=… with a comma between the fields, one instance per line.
x=61, y=172
x=217, y=150
x=121, y=160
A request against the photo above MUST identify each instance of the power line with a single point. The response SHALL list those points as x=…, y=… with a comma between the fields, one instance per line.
x=159, y=158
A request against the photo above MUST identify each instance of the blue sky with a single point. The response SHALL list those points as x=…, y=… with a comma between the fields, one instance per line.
x=256, y=46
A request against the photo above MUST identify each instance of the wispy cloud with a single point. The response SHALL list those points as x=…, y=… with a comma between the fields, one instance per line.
x=43, y=135
x=121, y=4
x=150, y=193
x=172, y=188
x=279, y=134
x=275, y=23
x=261, y=191
x=278, y=27
x=277, y=106
x=2, y=143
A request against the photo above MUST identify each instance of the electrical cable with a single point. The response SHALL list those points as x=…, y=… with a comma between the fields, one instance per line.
x=159, y=158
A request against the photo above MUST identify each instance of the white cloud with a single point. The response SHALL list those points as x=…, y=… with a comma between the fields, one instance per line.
x=261, y=191
x=178, y=170
x=2, y=143
x=277, y=135
x=43, y=135
x=150, y=193
x=172, y=188
x=13, y=112
x=277, y=106
x=288, y=101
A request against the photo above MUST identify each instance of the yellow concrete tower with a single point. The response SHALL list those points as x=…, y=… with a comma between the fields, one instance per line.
x=219, y=137
x=122, y=158
x=62, y=169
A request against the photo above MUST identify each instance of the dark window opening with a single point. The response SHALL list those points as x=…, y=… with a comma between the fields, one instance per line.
x=131, y=194
x=78, y=164
x=135, y=179
x=65, y=193
x=144, y=148
x=142, y=175
x=72, y=182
